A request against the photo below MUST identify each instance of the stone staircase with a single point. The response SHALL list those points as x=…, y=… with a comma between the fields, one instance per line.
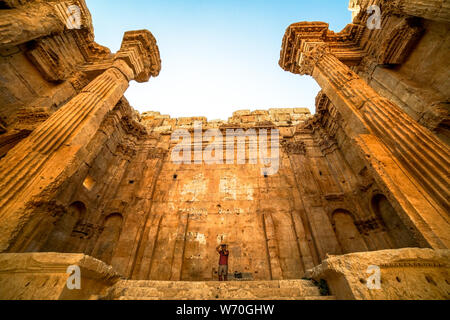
x=214, y=290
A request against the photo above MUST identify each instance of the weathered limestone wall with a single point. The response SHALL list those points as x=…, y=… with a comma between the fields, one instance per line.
x=129, y=205
x=195, y=207
x=82, y=172
x=87, y=195
x=307, y=210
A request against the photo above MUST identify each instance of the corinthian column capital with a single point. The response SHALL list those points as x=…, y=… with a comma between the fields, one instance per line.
x=310, y=54
x=140, y=51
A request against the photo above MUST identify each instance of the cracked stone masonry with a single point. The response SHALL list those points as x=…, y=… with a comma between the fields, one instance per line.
x=87, y=180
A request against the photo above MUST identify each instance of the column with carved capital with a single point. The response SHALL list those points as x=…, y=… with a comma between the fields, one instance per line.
x=38, y=165
x=418, y=168
x=437, y=10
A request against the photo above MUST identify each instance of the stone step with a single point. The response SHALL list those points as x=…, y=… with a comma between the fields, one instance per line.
x=226, y=293
x=324, y=298
x=215, y=290
x=216, y=284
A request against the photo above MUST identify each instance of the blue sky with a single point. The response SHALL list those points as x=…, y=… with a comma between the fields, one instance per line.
x=217, y=56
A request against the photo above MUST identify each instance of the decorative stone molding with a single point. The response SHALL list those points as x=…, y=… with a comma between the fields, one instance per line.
x=126, y=150
x=132, y=127
x=294, y=147
x=140, y=51
x=347, y=274
x=327, y=142
x=310, y=53
x=68, y=131
x=303, y=37
x=301, y=42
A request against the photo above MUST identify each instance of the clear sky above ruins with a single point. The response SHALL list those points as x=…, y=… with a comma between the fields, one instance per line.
x=217, y=56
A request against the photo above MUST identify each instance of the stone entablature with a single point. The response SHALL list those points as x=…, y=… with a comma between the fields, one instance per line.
x=278, y=117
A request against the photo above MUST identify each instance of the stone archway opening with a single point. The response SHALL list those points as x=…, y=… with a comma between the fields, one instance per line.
x=59, y=238
x=347, y=233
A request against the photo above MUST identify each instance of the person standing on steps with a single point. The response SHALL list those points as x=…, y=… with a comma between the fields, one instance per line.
x=223, y=262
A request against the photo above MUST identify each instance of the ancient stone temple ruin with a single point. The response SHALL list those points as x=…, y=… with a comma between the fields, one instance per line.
x=363, y=183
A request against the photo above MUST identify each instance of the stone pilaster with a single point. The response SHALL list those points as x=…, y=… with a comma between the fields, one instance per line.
x=39, y=164
x=421, y=161
x=437, y=10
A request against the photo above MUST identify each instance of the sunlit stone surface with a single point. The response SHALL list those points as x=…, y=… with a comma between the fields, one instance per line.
x=88, y=181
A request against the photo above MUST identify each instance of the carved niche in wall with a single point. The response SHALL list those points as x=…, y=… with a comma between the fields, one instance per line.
x=400, y=41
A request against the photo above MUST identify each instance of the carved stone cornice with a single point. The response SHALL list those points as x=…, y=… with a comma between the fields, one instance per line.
x=294, y=147
x=48, y=24
x=126, y=150
x=79, y=80
x=61, y=9
x=156, y=153
x=29, y=118
x=302, y=37
x=325, y=124
x=134, y=128
x=66, y=133
x=411, y=263
x=375, y=118
x=140, y=51
x=327, y=142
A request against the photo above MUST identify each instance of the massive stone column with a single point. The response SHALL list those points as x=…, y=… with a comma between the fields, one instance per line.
x=29, y=20
x=36, y=167
x=437, y=10
x=408, y=159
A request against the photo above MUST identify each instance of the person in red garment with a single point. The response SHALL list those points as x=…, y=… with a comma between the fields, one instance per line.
x=223, y=262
